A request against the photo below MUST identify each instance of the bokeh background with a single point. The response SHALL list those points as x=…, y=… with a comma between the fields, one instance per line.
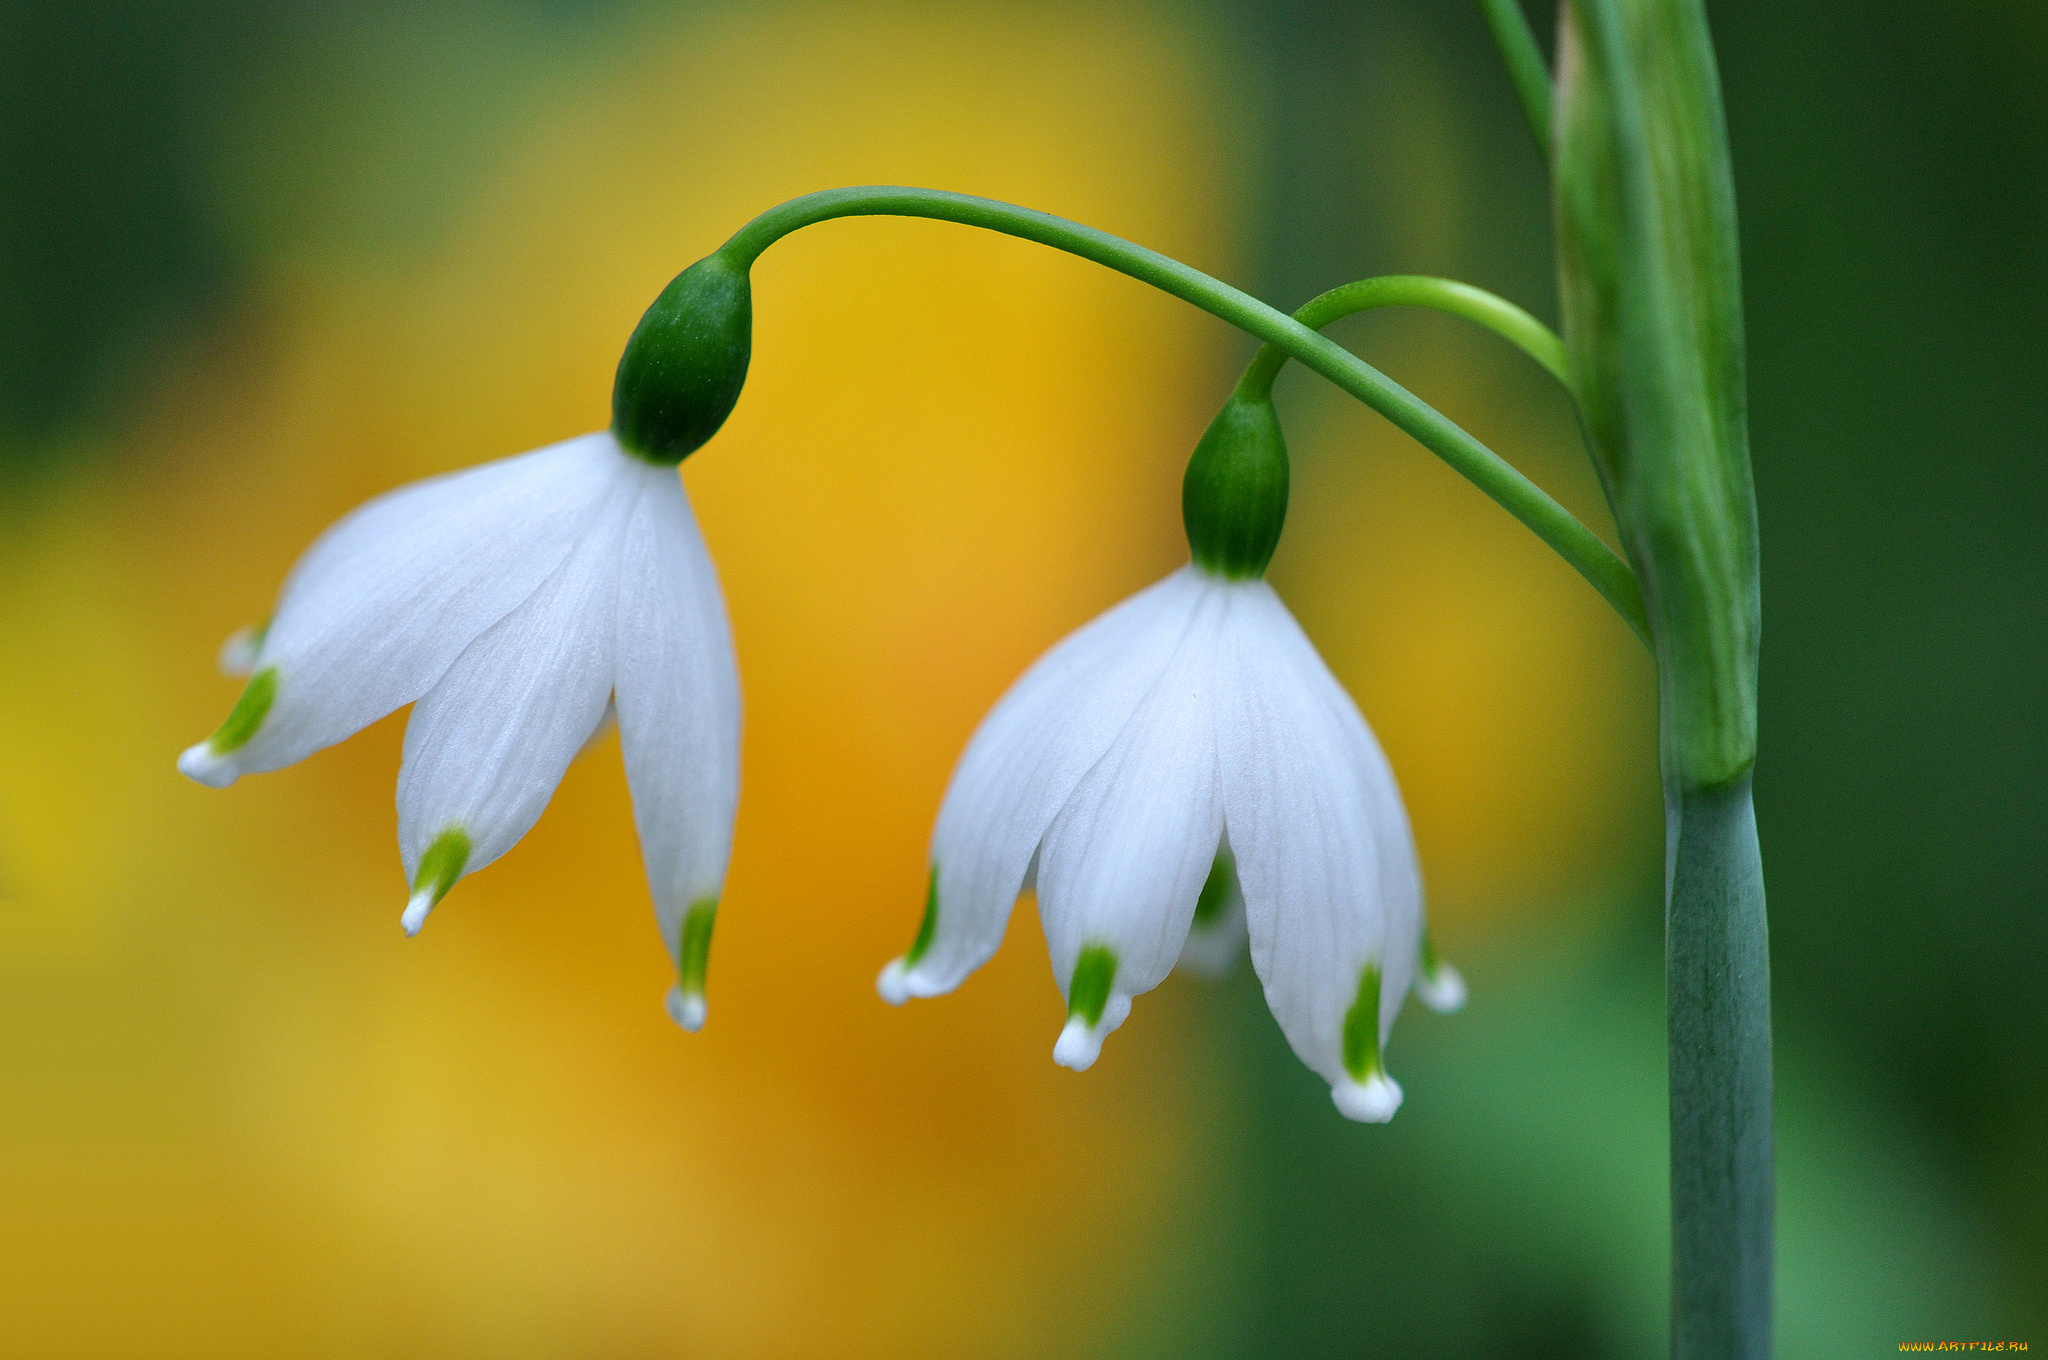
x=260, y=260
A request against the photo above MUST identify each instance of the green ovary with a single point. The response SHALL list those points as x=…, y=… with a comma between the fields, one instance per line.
x=1234, y=496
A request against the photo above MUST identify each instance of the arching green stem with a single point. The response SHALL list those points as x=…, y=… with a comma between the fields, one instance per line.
x=1517, y=43
x=1522, y=498
x=1497, y=314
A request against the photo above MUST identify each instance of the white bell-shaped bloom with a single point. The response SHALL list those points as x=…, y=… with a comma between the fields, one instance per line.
x=1177, y=774
x=518, y=606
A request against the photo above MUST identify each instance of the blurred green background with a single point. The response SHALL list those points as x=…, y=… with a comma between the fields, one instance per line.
x=260, y=260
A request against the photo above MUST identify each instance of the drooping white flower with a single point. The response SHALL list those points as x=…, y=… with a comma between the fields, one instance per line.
x=1187, y=755
x=516, y=605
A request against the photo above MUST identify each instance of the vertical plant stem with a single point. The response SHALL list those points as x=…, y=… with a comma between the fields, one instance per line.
x=1650, y=284
x=1718, y=990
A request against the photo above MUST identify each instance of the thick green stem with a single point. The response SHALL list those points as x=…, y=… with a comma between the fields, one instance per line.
x=1519, y=496
x=1650, y=282
x=1718, y=990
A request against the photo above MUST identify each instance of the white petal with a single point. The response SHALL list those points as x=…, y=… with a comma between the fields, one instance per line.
x=1372, y=1101
x=486, y=746
x=416, y=908
x=1323, y=849
x=1020, y=767
x=1215, y=945
x=678, y=698
x=1442, y=991
x=237, y=658
x=1125, y=859
x=382, y=604
x=1399, y=869
x=1080, y=1043
x=607, y=723
x=686, y=1008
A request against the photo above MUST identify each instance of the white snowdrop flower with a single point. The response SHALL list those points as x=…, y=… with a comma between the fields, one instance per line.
x=1180, y=773
x=521, y=607
x=514, y=605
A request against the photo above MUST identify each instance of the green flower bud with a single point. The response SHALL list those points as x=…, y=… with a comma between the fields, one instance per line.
x=683, y=369
x=1234, y=497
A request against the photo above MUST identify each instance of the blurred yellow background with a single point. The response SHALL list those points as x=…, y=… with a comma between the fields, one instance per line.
x=243, y=1116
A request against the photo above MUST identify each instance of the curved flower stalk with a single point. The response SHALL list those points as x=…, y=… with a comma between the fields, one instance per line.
x=1183, y=763
x=518, y=606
